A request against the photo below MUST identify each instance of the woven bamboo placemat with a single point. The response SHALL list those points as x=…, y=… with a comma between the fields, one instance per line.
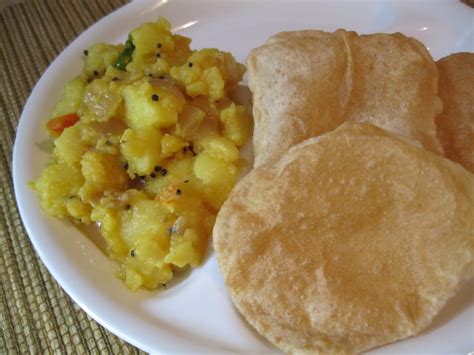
x=36, y=315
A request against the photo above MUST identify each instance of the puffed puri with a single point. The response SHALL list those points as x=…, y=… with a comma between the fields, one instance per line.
x=306, y=83
x=455, y=125
x=352, y=240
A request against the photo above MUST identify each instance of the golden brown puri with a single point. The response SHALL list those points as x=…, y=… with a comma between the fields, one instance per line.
x=455, y=125
x=352, y=240
x=307, y=83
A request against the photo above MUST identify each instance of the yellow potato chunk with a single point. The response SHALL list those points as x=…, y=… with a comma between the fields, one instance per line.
x=69, y=147
x=78, y=209
x=236, y=123
x=146, y=219
x=211, y=170
x=178, y=171
x=70, y=98
x=157, y=49
x=134, y=278
x=171, y=144
x=209, y=72
x=102, y=172
x=116, y=76
x=182, y=251
x=57, y=183
x=210, y=84
x=147, y=106
x=219, y=148
x=217, y=176
x=109, y=221
x=99, y=57
x=145, y=229
x=214, y=82
x=158, y=68
x=141, y=149
x=146, y=40
x=74, y=142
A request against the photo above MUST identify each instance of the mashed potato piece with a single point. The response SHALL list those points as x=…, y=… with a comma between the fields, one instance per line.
x=146, y=150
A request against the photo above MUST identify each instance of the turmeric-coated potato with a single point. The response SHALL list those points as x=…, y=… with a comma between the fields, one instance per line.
x=146, y=150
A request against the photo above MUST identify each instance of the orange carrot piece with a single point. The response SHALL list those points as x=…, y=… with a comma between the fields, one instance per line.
x=57, y=125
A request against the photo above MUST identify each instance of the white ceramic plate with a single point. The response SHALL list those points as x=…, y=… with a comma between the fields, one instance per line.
x=196, y=315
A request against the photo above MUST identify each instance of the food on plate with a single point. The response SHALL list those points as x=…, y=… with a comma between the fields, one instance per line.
x=306, y=83
x=351, y=240
x=455, y=125
x=146, y=149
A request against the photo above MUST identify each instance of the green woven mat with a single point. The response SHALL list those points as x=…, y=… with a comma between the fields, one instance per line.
x=36, y=315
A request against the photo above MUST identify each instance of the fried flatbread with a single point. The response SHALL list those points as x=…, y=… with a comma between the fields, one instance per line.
x=455, y=125
x=352, y=240
x=306, y=83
